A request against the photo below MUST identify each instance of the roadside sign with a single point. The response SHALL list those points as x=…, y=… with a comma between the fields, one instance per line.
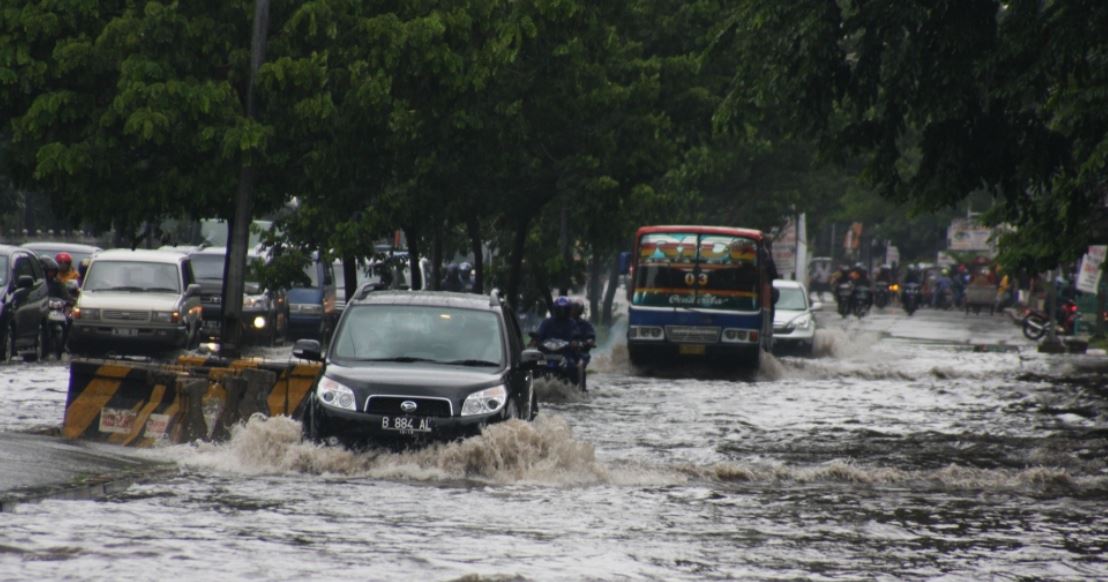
x=1091, y=269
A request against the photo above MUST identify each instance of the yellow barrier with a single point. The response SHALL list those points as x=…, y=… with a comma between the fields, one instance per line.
x=143, y=404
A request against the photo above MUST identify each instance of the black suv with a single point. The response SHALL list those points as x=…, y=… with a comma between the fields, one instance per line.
x=415, y=366
x=23, y=303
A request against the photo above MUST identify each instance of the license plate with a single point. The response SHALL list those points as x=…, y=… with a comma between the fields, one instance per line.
x=691, y=350
x=56, y=316
x=124, y=331
x=406, y=424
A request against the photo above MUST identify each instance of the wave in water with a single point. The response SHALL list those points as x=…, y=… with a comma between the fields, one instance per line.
x=545, y=452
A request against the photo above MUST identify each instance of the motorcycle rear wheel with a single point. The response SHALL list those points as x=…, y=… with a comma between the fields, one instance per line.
x=1034, y=326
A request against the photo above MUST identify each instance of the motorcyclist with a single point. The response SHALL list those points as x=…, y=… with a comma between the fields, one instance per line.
x=453, y=279
x=586, y=336
x=66, y=272
x=560, y=325
x=54, y=286
x=942, y=284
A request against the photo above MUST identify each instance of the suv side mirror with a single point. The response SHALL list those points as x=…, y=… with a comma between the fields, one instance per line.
x=307, y=349
x=530, y=357
x=192, y=289
x=25, y=282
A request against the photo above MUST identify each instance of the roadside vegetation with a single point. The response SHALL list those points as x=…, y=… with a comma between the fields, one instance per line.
x=547, y=130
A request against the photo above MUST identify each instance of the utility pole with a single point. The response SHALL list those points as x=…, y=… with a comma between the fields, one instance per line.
x=234, y=281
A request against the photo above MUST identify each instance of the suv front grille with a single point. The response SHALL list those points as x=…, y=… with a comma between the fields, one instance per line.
x=114, y=315
x=390, y=405
x=692, y=334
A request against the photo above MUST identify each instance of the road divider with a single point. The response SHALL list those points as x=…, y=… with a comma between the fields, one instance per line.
x=145, y=404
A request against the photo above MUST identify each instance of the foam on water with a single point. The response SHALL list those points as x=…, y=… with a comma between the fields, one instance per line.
x=543, y=451
x=558, y=392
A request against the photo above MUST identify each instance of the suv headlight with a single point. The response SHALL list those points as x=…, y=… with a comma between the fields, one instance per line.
x=167, y=316
x=334, y=394
x=803, y=322
x=485, y=401
x=86, y=313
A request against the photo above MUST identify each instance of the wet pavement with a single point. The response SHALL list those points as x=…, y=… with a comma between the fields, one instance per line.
x=937, y=446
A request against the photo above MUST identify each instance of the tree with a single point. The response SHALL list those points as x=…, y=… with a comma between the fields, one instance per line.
x=943, y=99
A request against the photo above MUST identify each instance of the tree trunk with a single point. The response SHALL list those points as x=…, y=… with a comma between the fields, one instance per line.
x=350, y=275
x=435, y=284
x=594, y=289
x=610, y=292
x=473, y=228
x=515, y=272
x=412, y=234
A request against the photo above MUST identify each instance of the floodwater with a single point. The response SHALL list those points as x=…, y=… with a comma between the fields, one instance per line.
x=900, y=452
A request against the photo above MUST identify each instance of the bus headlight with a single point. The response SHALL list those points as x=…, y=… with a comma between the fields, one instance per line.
x=646, y=333
x=737, y=336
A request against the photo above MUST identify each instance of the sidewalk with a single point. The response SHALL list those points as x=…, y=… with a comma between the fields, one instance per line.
x=36, y=467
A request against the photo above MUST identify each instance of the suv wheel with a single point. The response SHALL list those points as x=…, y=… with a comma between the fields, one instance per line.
x=8, y=346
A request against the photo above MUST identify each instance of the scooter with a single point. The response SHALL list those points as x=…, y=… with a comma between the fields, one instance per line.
x=57, y=328
x=910, y=297
x=1036, y=322
x=880, y=295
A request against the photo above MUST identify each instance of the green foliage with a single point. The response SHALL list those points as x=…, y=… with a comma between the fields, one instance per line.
x=940, y=100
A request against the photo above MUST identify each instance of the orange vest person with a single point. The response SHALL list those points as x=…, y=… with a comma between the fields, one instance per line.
x=66, y=272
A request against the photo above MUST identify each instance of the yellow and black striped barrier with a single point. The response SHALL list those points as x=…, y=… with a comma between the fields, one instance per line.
x=143, y=404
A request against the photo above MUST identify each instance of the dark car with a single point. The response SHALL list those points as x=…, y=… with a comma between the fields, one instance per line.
x=79, y=252
x=264, y=311
x=23, y=303
x=411, y=366
x=312, y=309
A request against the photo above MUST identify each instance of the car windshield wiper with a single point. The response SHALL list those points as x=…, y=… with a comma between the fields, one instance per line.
x=123, y=288
x=160, y=290
x=402, y=359
x=475, y=363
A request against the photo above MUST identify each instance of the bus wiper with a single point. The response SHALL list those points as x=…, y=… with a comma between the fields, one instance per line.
x=475, y=363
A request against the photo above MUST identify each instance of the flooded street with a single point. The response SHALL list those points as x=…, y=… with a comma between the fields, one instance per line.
x=901, y=451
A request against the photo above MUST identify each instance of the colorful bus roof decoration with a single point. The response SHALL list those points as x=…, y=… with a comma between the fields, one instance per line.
x=750, y=233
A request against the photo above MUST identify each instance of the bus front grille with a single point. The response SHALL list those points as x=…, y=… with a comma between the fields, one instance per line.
x=692, y=334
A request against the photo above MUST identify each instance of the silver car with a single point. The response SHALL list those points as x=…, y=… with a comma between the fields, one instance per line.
x=136, y=301
x=794, y=324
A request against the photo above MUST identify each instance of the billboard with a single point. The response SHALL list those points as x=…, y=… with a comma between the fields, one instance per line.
x=965, y=234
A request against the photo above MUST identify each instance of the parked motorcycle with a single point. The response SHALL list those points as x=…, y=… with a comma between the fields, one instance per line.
x=910, y=297
x=1036, y=323
x=57, y=328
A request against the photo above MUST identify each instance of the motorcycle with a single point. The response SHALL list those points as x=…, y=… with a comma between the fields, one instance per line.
x=945, y=298
x=562, y=360
x=862, y=300
x=1036, y=322
x=844, y=295
x=881, y=295
x=57, y=328
x=910, y=297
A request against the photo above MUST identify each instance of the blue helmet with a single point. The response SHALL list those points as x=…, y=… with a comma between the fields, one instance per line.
x=561, y=308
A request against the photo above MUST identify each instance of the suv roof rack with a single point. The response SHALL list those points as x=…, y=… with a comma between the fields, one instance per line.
x=367, y=288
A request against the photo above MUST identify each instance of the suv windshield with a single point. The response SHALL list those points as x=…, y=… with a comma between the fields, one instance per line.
x=792, y=298
x=207, y=266
x=420, y=333
x=132, y=276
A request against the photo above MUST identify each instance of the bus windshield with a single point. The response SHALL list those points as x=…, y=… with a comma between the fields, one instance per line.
x=697, y=270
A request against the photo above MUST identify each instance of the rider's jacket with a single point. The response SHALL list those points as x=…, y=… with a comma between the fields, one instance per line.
x=563, y=329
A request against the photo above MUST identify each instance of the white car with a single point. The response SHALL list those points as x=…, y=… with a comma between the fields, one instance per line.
x=135, y=302
x=794, y=324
